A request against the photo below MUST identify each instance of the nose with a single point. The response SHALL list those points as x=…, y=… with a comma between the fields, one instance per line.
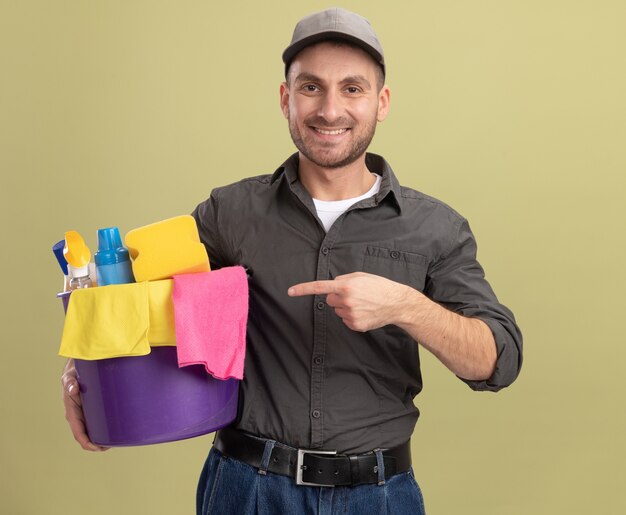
x=330, y=107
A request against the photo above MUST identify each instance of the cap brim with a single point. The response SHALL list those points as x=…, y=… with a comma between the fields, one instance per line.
x=292, y=50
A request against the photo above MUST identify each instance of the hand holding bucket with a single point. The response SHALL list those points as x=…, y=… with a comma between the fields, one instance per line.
x=74, y=409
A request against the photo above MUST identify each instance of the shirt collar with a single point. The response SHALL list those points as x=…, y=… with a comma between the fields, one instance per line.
x=389, y=185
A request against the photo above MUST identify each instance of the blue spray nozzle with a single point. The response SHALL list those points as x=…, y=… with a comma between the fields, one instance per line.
x=110, y=249
x=57, y=248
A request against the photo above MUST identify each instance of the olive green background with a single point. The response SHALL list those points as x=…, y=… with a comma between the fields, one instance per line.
x=514, y=112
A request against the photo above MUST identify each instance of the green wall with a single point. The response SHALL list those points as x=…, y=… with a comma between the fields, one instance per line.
x=514, y=112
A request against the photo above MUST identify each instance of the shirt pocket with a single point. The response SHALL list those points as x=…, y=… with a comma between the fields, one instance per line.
x=397, y=265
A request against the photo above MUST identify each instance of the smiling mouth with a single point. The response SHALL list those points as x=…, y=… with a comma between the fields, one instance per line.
x=330, y=132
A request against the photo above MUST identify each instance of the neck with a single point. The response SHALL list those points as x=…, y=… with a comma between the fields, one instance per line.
x=329, y=184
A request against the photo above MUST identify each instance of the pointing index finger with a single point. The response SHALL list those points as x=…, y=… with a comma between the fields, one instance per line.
x=312, y=288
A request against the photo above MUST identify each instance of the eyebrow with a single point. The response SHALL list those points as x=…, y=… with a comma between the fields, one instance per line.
x=350, y=79
x=305, y=77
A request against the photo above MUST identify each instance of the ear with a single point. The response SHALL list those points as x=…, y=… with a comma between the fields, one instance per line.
x=284, y=99
x=384, y=97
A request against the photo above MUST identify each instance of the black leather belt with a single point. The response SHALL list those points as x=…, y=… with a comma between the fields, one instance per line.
x=312, y=467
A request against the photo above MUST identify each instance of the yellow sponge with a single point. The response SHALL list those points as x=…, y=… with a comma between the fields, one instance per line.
x=163, y=249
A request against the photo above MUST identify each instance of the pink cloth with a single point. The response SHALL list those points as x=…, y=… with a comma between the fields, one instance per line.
x=210, y=313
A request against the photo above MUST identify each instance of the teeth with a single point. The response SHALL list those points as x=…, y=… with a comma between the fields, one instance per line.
x=332, y=133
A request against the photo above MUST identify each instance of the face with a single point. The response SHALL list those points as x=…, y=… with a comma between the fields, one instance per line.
x=332, y=102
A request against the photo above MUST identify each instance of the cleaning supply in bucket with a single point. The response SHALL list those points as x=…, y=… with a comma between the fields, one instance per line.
x=118, y=321
x=167, y=248
x=57, y=248
x=211, y=312
x=112, y=258
x=77, y=255
x=130, y=397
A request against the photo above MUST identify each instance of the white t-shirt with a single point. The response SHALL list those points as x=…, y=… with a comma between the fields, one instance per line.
x=329, y=211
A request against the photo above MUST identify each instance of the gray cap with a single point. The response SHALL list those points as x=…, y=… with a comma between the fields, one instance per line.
x=335, y=23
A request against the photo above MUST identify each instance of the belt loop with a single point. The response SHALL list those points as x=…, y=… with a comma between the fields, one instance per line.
x=380, y=466
x=267, y=454
x=355, y=473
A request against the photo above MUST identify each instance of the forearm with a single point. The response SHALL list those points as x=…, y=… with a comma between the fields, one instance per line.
x=365, y=302
x=465, y=345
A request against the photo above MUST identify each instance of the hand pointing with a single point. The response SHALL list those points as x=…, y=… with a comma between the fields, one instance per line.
x=363, y=301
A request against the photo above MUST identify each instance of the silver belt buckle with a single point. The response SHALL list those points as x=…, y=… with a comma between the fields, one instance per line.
x=300, y=466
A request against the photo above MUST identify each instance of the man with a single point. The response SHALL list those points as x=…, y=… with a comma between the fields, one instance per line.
x=349, y=270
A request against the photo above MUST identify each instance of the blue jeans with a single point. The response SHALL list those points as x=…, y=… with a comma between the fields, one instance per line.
x=231, y=487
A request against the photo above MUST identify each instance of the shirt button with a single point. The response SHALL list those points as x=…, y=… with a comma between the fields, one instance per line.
x=394, y=254
x=320, y=305
x=318, y=360
x=325, y=250
x=316, y=413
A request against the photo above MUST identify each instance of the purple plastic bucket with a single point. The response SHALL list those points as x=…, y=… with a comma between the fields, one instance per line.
x=65, y=298
x=141, y=400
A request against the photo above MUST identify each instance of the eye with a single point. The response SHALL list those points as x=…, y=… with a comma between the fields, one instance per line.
x=310, y=88
x=353, y=89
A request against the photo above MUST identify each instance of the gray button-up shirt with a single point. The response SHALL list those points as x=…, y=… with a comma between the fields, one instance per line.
x=310, y=381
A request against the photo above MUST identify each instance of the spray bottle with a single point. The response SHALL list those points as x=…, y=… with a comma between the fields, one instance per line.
x=77, y=255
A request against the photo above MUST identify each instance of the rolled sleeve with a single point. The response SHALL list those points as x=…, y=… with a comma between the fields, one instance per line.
x=457, y=282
